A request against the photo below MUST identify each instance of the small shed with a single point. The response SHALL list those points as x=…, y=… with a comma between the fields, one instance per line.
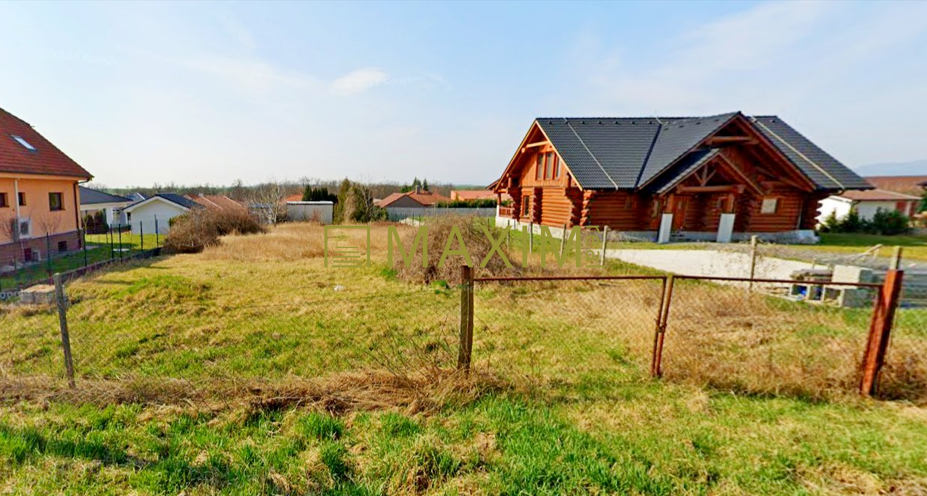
x=310, y=211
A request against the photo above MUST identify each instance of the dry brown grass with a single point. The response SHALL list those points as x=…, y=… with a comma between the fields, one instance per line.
x=440, y=230
x=338, y=394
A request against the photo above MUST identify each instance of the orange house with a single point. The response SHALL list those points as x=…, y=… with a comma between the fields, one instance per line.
x=39, y=205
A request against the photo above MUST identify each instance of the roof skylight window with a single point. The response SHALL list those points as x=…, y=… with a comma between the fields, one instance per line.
x=22, y=141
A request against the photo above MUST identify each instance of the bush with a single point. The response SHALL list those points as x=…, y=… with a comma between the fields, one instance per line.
x=886, y=222
x=355, y=204
x=202, y=227
x=484, y=203
x=439, y=230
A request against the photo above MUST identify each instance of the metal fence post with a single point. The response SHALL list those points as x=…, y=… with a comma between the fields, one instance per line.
x=883, y=316
x=141, y=229
x=604, y=242
x=84, y=245
x=466, y=318
x=666, y=299
x=753, y=241
x=48, y=253
x=120, y=241
x=157, y=233
x=63, y=325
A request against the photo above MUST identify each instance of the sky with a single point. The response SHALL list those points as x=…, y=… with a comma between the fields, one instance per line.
x=196, y=93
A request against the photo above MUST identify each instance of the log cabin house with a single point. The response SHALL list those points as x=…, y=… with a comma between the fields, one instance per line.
x=722, y=177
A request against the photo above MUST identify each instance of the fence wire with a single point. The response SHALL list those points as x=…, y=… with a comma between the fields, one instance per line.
x=728, y=337
x=904, y=374
x=567, y=331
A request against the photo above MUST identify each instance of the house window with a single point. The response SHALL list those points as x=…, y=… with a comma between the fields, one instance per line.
x=55, y=202
x=538, y=166
x=3, y=201
x=547, y=165
x=556, y=167
x=22, y=199
x=525, y=206
x=62, y=246
x=22, y=141
x=770, y=205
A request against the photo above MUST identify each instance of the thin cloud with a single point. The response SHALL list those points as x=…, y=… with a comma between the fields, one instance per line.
x=359, y=81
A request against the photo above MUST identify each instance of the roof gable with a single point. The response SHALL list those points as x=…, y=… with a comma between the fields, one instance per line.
x=41, y=158
x=632, y=152
x=171, y=198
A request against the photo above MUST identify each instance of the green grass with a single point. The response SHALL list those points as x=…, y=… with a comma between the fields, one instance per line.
x=577, y=413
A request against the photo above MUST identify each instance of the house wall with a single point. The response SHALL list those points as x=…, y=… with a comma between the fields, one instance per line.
x=868, y=209
x=37, y=209
x=12, y=254
x=835, y=205
x=143, y=217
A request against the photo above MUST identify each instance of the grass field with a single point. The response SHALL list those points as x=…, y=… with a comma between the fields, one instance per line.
x=561, y=402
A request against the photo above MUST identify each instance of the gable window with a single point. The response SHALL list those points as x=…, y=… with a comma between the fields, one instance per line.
x=22, y=141
x=556, y=166
x=547, y=165
x=770, y=206
x=22, y=199
x=3, y=201
x=55, y=202
x=537, y=169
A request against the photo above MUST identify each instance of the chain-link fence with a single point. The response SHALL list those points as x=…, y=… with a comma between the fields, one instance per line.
x=157, y=344
x=567, y=331
x=36, y=259
x=155, y=338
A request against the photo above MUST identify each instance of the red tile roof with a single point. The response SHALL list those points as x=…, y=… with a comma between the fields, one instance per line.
x=912, y=185
x=46, y=159
x=877, y=195
x=425, y=199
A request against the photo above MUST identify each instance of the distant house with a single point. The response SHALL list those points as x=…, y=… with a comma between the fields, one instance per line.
x=909, y=185
x=39, y=205
x=112, y=206
x=412, y=199
x=157, y=211
x=718, y=177
x=867, y=203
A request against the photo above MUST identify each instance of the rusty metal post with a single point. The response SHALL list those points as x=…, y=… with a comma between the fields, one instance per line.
x=465, y=350
x=662, y=316
x=63, y=325
x=883, y=317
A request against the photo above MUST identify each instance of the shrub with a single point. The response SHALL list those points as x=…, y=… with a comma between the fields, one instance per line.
x=484, y=203
x=355, y=204
x=887, y=222
x=439, y=230
x=202, y=227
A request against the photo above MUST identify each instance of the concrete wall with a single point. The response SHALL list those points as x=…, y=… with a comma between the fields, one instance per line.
x=318, y=211
x=396, y=214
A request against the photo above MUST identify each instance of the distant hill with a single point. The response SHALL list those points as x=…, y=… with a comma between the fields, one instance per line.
x=913, y=168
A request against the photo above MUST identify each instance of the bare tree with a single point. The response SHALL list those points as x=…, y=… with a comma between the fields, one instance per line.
x=268, y=202
x=50, y=223
x=10, y=228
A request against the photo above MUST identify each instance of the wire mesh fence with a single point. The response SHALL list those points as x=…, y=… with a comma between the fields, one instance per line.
x=558, y=332
x=729, y=337
x=567, y=331
x=35, y=260
x=197, y=349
